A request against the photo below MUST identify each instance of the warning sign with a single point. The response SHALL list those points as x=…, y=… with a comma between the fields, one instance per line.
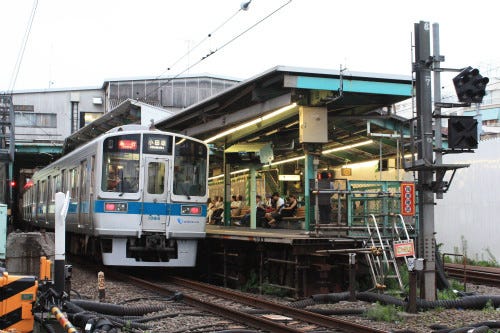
x=407, y=199
x=404, y=248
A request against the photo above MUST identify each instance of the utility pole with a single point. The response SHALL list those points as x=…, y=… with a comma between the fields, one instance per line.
x=424, y=163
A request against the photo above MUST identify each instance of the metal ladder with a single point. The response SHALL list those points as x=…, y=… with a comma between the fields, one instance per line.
x=381, y=257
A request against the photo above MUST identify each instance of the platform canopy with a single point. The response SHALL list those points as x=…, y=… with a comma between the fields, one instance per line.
x=128, y=112
x=265, y=108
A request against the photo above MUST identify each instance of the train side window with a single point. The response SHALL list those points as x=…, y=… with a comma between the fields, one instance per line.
x=64, y=181
x=57, y=184
x=73, y=182
x=83, y=180
x=50, y=189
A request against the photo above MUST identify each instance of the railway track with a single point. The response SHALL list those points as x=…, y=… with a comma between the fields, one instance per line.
x=264, y=315
x=478, y=274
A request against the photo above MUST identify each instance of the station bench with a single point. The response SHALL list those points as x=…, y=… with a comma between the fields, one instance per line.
x=293, y=222
x=244, y=211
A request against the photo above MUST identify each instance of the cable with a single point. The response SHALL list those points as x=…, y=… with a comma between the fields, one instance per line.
x=220, y=48
x=20, y=56
x=199, y=43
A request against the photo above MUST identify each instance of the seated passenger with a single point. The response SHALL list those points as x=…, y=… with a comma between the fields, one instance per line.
x=288, y=210
x=235, y=205
x=278, y=204
x=260, y=211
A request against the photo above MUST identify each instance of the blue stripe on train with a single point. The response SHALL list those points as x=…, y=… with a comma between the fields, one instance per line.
x=149, y=208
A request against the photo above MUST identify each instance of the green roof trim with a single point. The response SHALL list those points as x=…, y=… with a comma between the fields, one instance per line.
x=358, y=86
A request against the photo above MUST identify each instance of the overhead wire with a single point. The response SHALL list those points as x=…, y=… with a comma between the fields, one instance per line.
x=20, y=55
x=219, y=48
x=209, y=35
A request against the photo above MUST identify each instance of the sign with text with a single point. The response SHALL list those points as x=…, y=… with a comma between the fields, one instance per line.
x=407, y=199
x=404, y=248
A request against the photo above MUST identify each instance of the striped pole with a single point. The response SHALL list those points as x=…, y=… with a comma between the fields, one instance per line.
x=63, y=321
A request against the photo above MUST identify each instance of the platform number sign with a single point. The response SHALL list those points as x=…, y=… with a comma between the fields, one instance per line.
x=407, y=199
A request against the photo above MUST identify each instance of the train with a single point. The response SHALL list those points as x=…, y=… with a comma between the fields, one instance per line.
x=137, y=197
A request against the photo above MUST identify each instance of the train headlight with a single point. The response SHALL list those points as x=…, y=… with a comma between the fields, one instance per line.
x=115, y=206
x=191, y=210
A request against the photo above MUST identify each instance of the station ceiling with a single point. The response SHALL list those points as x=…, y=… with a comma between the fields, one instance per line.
x=247, y=111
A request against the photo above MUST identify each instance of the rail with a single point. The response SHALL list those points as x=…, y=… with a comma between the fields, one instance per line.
x=246, y=318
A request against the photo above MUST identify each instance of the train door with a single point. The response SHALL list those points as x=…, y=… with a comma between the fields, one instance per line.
x=155, y=207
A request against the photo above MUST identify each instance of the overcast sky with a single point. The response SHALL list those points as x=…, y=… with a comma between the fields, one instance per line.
x=82, y=43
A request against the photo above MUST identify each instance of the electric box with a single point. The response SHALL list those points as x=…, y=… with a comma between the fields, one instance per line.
x=249, y=153
x=313, y=127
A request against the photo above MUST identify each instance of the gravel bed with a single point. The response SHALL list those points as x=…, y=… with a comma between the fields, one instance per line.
x=185, y=318
x=422, y=321
x=194, y=320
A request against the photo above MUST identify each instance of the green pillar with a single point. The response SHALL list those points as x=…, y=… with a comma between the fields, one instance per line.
x=227, y=192
x=253, y=201
x=308, y=176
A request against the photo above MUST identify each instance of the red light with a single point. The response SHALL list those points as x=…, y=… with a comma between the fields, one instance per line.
x=195, y=210
x=110, y=207
x=127, y=144
x=12, y=183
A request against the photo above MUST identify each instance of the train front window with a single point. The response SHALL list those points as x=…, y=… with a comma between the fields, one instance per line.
x=190, y=163
x=120, y=172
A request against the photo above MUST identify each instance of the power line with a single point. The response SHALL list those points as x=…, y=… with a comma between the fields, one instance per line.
x=20, y=55
x=199, y=43
x=219, y=48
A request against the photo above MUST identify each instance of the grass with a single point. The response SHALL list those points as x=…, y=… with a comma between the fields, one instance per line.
x=386, y=313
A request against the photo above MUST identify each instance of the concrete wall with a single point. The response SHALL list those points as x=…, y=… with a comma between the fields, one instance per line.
x=468, y=216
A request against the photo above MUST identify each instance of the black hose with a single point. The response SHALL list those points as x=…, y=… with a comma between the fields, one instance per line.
x=467, y=302
x=237, y=331
x=117, y=310
x=441, y=281
x=82, y=318
x=48, y=327
x=338, y=312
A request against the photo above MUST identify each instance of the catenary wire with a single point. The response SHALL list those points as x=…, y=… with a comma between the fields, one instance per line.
x=199, y=43
x=219, y=48
x=20, y=56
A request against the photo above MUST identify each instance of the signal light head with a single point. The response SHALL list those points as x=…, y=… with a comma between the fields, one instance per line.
x=470, y=85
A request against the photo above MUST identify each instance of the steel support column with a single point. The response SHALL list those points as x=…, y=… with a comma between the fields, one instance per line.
x=253, y=201
x=423, y=62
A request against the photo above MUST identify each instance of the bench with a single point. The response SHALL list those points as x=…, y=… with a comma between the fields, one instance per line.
x=244, y=211
x=290, y=222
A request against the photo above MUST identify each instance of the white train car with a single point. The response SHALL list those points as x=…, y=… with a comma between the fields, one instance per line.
x=138, y=197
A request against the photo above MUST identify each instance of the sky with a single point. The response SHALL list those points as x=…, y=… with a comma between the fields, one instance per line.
x=77, y=43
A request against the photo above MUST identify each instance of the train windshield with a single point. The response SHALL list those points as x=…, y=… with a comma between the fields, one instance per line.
x=190, y=163
x=120, y=172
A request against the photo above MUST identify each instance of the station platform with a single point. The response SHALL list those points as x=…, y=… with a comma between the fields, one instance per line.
x=279, y=236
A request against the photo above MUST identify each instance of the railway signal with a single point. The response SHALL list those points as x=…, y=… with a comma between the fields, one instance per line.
x=470, y=86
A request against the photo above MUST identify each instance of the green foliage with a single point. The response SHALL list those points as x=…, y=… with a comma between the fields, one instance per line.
x=252, y=284
x=489, y=307
x=387, y=313
x=457, y=285
x=268, y=289
x=446, y=294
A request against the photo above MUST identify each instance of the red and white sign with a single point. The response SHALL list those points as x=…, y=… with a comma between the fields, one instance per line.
x=404, y=248
x=407, y=199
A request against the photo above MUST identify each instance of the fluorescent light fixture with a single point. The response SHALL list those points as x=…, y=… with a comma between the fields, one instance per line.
x=293, y=159
x=251, y=122
x=354, y=145
x=232, y=173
